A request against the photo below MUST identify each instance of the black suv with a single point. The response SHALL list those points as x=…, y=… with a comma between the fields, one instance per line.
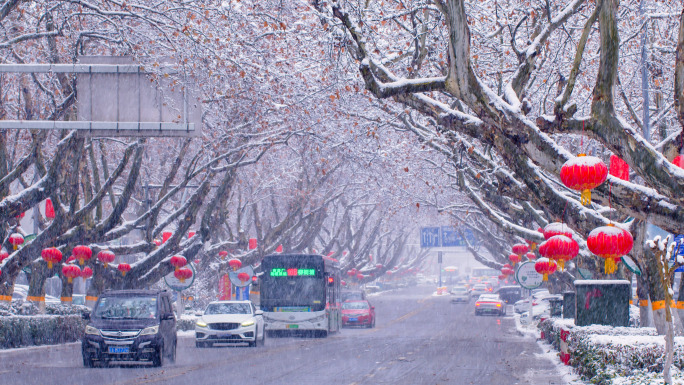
x=130, y=325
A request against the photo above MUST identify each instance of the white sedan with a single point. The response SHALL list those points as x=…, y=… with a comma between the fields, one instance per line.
x=230, y=322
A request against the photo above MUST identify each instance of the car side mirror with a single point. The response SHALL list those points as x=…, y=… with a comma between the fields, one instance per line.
x=372, y=307
x=259, y=312
x=85, y=316
x=167, y=316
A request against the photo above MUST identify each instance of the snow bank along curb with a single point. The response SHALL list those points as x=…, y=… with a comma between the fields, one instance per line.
x=600, y=353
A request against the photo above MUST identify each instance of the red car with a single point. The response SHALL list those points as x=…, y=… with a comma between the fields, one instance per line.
x=358, y=313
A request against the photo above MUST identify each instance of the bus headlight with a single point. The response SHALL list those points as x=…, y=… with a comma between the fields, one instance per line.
x=318, y=319
x=249, y=322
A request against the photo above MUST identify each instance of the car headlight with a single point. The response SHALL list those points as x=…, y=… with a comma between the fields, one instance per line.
x=150, y=330
x=201, y=324
x=91, y=330
x=249, y=322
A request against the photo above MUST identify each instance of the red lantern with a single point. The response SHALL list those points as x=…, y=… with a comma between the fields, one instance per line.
x=243, y=277
x=3, y=254
x=351, y=273
x=87, y=272
x=252, y=244
x=507, y=266
x=502, y=277
x=678, y=161
x=619, y=168
x=49, y=209
x=196, y=261
x=531, y=244
x=514, y=258
x=235, y=264
x=560, y=249
x=124, y=268
x=359, y=276
x=178, y=261
x=388, y=272
x=166, y=235
x=16, y=239
x=71, y=272
x=183, y=274
x=279, y=249
x=190, y=234
x=157, y=242
x=611, y=243
x=82, y=253
x=70, y=259
x=531, y=256
x=51, y=255
x=545, y=266
x=223, y=254
x=557, y=228
x=20, y=216
x=583, y=173
x=520, y=249
x=106, y=257
x=507, y=271
x=378, y=266
x=343, y=283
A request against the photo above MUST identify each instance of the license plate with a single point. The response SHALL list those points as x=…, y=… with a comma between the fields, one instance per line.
x=118, y=349
x=293, y=326
x=353, y=319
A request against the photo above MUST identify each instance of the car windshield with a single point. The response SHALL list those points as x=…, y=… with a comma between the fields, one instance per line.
x=126, y=307
x=355, y=305
x=228, y=308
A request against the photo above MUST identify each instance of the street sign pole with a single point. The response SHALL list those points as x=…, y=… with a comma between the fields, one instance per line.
x=439, y=263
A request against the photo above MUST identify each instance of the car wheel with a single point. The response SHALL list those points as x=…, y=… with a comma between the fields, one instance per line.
x=158, y=359
x=263, y=338
x=172, y=354
x=87, y=361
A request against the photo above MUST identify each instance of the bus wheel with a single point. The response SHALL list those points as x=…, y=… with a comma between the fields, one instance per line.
x=322, y=333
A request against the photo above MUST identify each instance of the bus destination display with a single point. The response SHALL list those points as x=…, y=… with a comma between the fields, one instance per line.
x=292, y=272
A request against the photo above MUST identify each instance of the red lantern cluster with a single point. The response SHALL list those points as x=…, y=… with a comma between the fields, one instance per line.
x=82, y=253
x=235, y=264
x=51, y=255
x=106, y=257
x=619, y=168
x=183, y=274
x=178, y=261
x=124, y=268
x=545, y=267
x=87, y=272
x=560, y=249
x=610, y=243
x=71, y=272
x=16, y=239
x=583, y=173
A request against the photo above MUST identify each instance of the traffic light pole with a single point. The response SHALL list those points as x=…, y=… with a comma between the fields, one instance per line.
x=439, y=264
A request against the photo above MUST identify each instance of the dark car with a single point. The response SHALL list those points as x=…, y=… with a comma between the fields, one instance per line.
x=130, y=325
x=510, y=294
x=353, y=295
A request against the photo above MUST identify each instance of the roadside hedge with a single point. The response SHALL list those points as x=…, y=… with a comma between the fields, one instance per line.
x=18, y=330
x=601, y=353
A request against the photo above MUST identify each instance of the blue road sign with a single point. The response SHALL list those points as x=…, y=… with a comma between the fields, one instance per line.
x=429, y=237
x=450, y=237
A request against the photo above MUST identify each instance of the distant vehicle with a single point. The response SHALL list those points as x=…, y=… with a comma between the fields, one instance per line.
x=300, y=292
x=372, y=288
x=130, y=325
x=478, y=290
x=353, y=295
x=490, y=303
x=229, y=322
x=459, y=294
x=358, y=313
x=510, y=294
x=21, y=292
x=523, y=305
x=541, y=307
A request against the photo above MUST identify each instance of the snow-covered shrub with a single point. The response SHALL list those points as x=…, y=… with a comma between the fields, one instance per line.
x=20, y=330
x=599, y=353
x=186, y=322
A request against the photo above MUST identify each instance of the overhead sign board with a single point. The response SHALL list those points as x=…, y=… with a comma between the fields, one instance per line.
x=429, y=237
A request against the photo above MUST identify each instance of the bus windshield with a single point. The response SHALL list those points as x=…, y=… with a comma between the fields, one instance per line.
x=293, y=283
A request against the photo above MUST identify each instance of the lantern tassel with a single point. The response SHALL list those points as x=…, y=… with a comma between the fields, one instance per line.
x=15, y=247
x=123, y=273
x=81, y=261
x=182, y=280
x=176, y=268
x=533, y=246
x=69, y=280
x=561, y=264
x=49, y=264
x=546, y=277
x=610, y=266
x=105, y=265
x=585, y=198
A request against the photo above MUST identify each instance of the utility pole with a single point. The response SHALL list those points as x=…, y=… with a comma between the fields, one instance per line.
x=439, y=266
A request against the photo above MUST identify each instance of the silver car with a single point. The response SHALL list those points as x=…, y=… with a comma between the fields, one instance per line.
x=478, y=290
x=459, y=294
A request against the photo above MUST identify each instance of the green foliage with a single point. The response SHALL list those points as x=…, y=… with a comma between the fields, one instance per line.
x=19, y=330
